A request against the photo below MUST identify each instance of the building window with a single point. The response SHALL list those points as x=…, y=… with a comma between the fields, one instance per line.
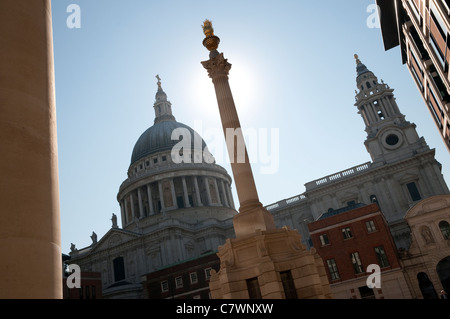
x=178, y=282
x=88, y=295
x=164, y=158
x=366, y=292
x=288, y=285
x=155, y=160
x=193, y=277
x=356, y=262
x=164, y=286
x=346, y=232
x=332, y=267
x=324, y=239
x=119, y=269
x=370, y=225
x=94, y=296
x=208, y=273
x=254, y=292
x=413, y=191
x=147, y=163
x=382, y=257
x=445, y=229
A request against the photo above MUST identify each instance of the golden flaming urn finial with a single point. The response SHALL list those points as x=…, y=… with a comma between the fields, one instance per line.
x=211, y=42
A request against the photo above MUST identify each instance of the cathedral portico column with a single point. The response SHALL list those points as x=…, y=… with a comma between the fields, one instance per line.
x=30, y=235
x=197, y=191
x=185, y=192
x=252, y=215
x=150, y=199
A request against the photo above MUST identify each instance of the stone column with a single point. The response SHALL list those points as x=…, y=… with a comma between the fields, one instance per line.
x=141, y=208
x=185, y=192
x=161, y=196
x=127, y=220
x=208, y=192
x=230, y=195
x=174, y=195
x=150, y=200
x=133, y=213
x=252, y=215
x=30, y=235
x=219, y=201
x=197, y=191
x=122, y=212
x=224, y=192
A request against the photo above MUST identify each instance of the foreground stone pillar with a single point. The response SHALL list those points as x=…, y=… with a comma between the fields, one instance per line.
x=262, y=261
x=30, y=239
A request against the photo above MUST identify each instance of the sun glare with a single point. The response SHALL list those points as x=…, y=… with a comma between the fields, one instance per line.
x=242, y=81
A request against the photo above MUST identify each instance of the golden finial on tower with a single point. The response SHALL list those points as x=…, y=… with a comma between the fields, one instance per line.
x=159, y=81
x=357, y=59
x=211, y=42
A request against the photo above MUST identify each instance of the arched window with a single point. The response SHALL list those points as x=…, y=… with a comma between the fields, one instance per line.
x=368, y=85
x=445, y=229
x=426, y=286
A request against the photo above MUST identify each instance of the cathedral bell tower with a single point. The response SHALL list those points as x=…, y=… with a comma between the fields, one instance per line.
x=389, y=136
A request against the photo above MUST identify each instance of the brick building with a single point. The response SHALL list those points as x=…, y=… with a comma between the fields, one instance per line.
x=350, y=239
x=186, y=280
x=90, y=288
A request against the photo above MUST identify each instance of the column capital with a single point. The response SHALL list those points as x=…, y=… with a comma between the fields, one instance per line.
x=217, y=66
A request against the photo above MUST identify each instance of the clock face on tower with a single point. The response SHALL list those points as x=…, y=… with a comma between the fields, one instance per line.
x=391, y=139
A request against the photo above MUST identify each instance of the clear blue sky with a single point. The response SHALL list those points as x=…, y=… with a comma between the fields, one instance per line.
x=293, y=72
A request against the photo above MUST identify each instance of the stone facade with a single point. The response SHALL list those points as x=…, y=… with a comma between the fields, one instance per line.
x=171, y=210
x=427, y=261
x=399, y=176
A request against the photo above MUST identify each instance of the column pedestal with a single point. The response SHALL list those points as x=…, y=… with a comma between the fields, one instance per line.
x=264, y=256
